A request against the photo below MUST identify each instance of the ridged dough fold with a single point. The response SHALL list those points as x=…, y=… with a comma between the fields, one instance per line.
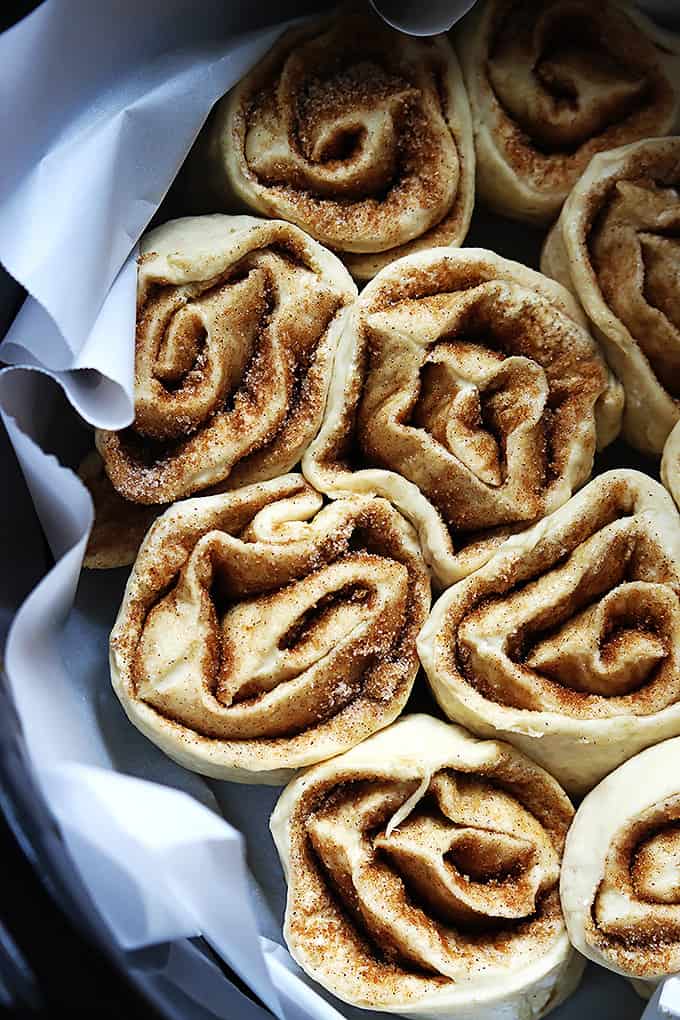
x=423, y=870
x=468, y=391
x=553, y=82
x=620, y=884
x=359, y=134
x=238, y=320
x=616, y=246
x=261, y=631
x=567, y=642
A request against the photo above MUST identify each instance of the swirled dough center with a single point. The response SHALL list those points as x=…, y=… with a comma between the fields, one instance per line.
x=637, y=906
x=453, y=886
x=352, y=130
x=593, y=636
x=472, y=395
x=270, y=632
x=564, y=76
x=656, y=869
x=237, y=325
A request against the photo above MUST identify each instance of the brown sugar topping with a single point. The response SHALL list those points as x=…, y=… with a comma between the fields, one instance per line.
x=488, y=411
x=635, y=918
x=259, y=627
x=581, y=623
x=470, y=381
x=358, y=134
x=568, y=80
x=120, y=526
x=231, y=373
x=463, y=886
x=634, y=248
x=356, y=137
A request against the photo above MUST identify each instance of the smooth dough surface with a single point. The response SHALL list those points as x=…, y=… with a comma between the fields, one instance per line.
x=261, y=632
x=620, y=882
x=553, y=82
x=467, y=391
x=567, y=642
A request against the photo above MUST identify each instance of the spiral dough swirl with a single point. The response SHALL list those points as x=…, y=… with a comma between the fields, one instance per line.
x=568, y=640
x=554, y=82
x=616, y=245
x=621, y=881
x=422, y=874
x=467, y=391
x=260, y=632
x=357, y=133
x=237, y=324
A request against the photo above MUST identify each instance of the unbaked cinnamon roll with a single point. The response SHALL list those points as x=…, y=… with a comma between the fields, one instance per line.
x=567, y=642
x=620, y=883
x=467, y=390
x=359, y=134
x=261, y=632
x=119, y=525
x=423, y=870
x=551, y=83
x=670, y=464
x=616, y=245
x=238, y=320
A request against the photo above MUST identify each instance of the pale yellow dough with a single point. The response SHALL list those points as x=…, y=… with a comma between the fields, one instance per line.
x=473, y=828
x=670, y=464
x=459, y=376
x=615, y=247
x=355, y=132
x=567, y=642
x=261, y=632
x=620, y=883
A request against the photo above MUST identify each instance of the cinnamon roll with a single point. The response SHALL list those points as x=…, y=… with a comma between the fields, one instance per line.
x=467, y=390
x=616, y=245
x=237, y=325
x=670, y=464
x=567, y=642
x=119, y=525
x=620, y=883
x=359, y=134
x=553, y=82
x=261, y=631
x=423, y=870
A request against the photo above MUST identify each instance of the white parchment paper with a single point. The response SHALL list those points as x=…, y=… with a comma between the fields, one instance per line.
x=110, y=97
